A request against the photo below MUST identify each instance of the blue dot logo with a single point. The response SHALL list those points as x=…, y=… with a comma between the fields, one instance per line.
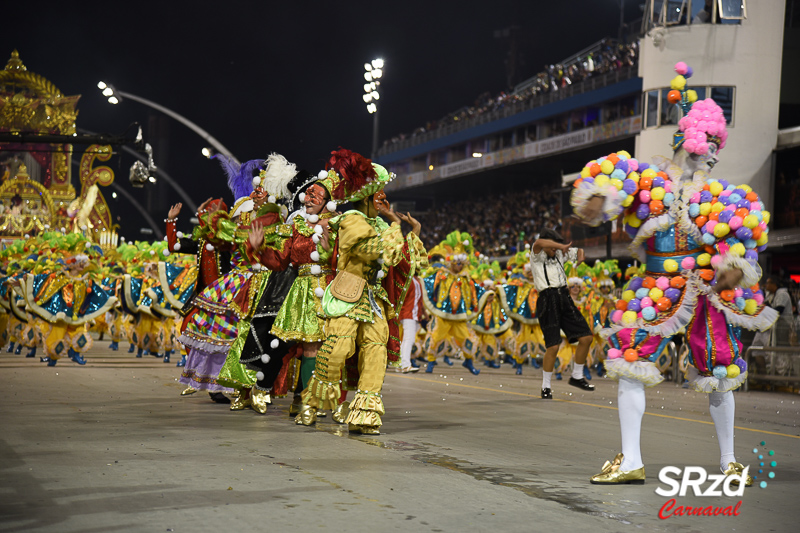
x=772, y=464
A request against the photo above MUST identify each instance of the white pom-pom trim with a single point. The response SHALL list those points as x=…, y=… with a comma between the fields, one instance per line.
x=322, y=174
x=380, y=260
x=316, y=270
x=256, y=181
x=488, y=283
x=271, y=199
x=165, y=238
x=331, y=206
x=209, y=247
x=381, y=274
x=259, y=376
x=318, y=229
x=179, y=234
x=152, y=252
x=301, y=197
x=314, y=256
x=315, y=238
x=465, y=243
x=265, y=358
x=313, y=218
x=274, y=344
x=165, y=253
x=318, y=292
x=176, y=247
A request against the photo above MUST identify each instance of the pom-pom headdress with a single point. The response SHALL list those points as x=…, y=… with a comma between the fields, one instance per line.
x=352, y=177
x=277, y=175
x=703, y=121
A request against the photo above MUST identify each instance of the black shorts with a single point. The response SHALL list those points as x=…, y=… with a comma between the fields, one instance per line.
x=557, y=312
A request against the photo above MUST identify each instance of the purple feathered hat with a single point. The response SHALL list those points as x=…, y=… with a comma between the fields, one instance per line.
x=240, y=177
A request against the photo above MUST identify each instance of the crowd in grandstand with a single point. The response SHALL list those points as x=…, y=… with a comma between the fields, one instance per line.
x=608, y=57
x=499, y=223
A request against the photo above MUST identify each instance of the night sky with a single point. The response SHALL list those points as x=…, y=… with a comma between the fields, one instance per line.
x=264, y=76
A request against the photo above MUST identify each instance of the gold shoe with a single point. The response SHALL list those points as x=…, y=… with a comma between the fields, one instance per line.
x=188, y=390
x=738, y=469
x=618, y=477
x=363, y=430
x=260, y=399
x=307, y=416
x=341, y=412
x=241, y=402
x=294, y=409
x=613, y=465
x=321, y=414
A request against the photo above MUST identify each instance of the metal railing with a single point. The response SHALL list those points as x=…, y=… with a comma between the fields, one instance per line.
x=793, y=369
x=514, y=107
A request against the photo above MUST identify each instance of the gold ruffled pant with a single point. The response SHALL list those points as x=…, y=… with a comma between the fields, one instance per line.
x=343, y=335
x=455, y=331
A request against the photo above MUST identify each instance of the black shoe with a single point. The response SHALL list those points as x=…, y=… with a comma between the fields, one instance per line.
x=218, y=397
x=581, y=384
x=547, y=394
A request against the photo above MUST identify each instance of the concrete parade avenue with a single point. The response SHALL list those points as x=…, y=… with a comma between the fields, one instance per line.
x=113, y=446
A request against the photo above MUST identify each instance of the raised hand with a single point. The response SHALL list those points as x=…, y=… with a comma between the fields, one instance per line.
x=256, y=235
x=202, y=208
x=175, y=210
x=416, y=227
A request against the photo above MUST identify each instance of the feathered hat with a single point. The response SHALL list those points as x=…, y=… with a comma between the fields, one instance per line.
x=457, y=246
x=240, y=181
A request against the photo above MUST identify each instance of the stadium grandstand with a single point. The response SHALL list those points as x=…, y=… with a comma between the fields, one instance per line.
x=500, y=168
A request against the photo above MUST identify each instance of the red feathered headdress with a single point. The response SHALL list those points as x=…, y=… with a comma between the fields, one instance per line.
x=355, y=171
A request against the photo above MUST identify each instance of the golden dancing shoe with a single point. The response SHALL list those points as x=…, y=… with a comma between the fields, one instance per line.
x=188, y=390
x=294, y=409
x=307, y=416
x=613, y=465
x=341, y=412
x=239, y=404
x=363, y=430
x=738, y=469
x=618, y=477
x=260, y=399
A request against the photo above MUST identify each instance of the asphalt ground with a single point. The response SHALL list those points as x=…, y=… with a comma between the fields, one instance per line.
x=113, y=446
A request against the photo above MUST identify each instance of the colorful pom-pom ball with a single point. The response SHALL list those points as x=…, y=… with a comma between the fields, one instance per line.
x=634, y=305
x=595, y=169
x=663, y=304
x=628, y=201
x=737, y=249
x=616, y=316
x=656, y=293
x=677, y=282
x=634, y=222
x=751, y=306
x=635, y=284
x=657, y=193
x=740, y=303
x=762, y=239
x=613, y=353
x=647, y=302
x=601, y=180
x=670, y=265
x=648, y=172
x=727, y=295
x=631, y=355
x=735, y=222
x=765, y=216
x=649, y=313
x=721, y=229
x=673, y=97
x=732, y=371
x=707, y=274
x=681, y=68
x=673, y=294
x=644, y=196
x=750, y=221
x=607, y=167
x=694, y=210
x=678, y=83
x=621, y=305
x=649, y=282
x=628, y=295
x=716, y=188
x=720, y=372
x=742, y=364
x=705, y=209
x=669, y=198
x=717, y=259
x=691, y=94
x=656, y=207
x=628, y=318
x=703, y=259
x=701, y=221
x=687, y=263
x=744, y=233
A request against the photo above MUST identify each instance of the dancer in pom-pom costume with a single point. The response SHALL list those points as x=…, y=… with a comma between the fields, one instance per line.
x=699, y=238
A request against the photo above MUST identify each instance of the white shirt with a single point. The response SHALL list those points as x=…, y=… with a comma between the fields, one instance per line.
x=548, y=273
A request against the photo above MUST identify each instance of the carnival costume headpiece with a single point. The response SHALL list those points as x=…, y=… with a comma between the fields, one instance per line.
x=457, y=246
x=351, y=177
x=703, y=121
x=604, y=272
x=240, y=181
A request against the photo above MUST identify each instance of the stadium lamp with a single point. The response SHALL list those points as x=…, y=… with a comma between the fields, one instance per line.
x=477, y=154
x=373, y=72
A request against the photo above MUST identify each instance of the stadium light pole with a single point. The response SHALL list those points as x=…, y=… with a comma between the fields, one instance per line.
x=115, y=96
x=373, y=72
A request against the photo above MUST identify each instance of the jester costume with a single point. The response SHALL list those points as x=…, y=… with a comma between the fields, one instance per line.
x=519, y=299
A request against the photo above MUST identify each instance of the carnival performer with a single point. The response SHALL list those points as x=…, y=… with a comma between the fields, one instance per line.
x=372, y=259
x=490, y=325
x=201, y=369
x=65, y=301
x=700, y=238
x=300, y=318
x=556, y=310
x=519, y=299
x=411, y=315
x=452, y=297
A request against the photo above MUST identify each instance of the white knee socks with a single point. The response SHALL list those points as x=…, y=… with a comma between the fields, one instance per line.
x=722, y=407
x=631, y=403
x=546, y=379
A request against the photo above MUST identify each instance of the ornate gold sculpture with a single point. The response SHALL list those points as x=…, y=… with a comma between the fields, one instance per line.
x=29, y=103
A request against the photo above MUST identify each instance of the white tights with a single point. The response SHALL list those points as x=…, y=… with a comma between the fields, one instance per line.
x=631, y=403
